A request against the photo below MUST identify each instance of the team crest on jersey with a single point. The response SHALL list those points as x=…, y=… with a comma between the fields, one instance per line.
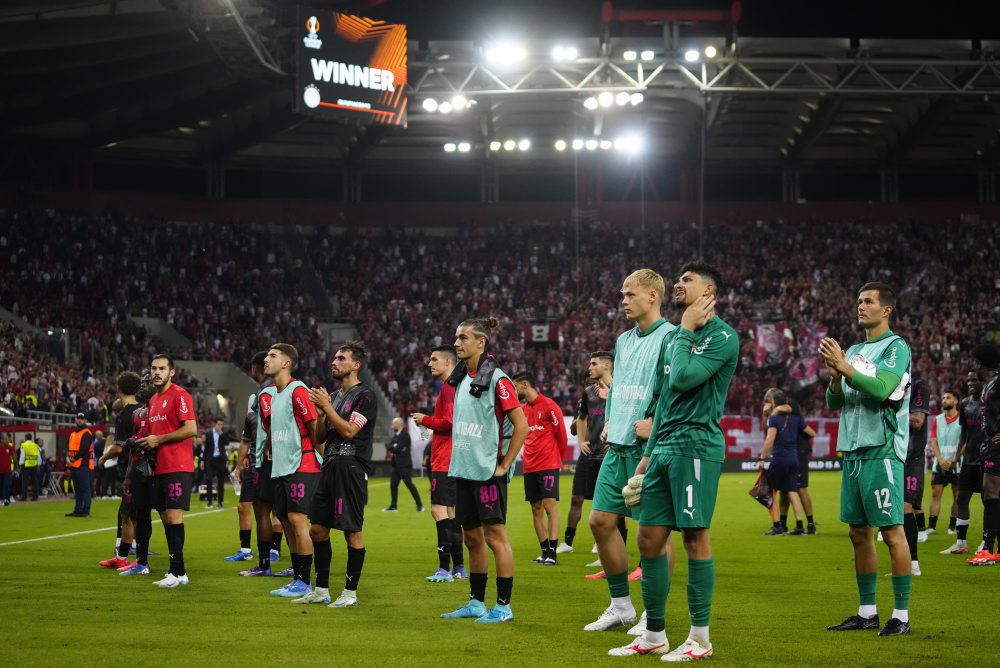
x=164, y=403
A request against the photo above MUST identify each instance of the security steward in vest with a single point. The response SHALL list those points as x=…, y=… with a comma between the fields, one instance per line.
x=29, y=469
x=80, y=462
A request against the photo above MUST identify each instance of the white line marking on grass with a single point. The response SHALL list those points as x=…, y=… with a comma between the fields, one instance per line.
x=115, y=528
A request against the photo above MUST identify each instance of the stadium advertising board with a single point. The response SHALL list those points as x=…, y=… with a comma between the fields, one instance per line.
x=350, y=66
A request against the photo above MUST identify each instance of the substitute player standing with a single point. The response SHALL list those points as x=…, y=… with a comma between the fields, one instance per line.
x=128, y=383
x=248, y=488
x=987, y=357
x=486, y=411
x=172, y=427
x=629, y=408
x=970, y=479
x=946, y=441
x=589, y=426
x=449, y=534
x=343, y=491
x=678, y=476
x=542, y=462
x=289, y=420
x=914, y=469
x=870, y=385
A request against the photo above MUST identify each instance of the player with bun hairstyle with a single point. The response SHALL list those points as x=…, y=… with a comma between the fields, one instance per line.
x=488, y=430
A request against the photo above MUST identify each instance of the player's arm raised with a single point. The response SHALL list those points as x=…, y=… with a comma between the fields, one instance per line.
x=346, y=428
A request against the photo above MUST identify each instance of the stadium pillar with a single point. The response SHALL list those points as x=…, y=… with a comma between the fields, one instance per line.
x=890, y=184
x=987, y=185
x=791, y=190
x=352, y=184
x=215, y=186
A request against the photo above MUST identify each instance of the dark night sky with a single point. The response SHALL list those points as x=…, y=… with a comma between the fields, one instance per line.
x=478, y=19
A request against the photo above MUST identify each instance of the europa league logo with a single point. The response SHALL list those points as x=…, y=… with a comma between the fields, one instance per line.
x=313, y=26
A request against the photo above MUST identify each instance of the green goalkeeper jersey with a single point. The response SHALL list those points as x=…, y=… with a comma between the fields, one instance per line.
x=697, y=368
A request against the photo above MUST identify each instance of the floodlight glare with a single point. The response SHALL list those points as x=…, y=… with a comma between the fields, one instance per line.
x=445, y=107
x=631, y=144
x=571, y=53
x=558, y=53
x=459, y=102
x=636, y=99
x=560, y=144
x=524, y=144
x=646, y=55
x=621, y=99
x=577, y=144
x=430, y=104
x=591, y=144
x=692, y=55
x=464, y=147
x=505, y=53
x=606, y=99
x=494, y=145
x=590, y=103
x=711, y=51
x=629, y=55
x=449, y=147
x=509, y=145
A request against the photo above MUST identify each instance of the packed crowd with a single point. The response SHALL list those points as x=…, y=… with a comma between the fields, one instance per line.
x=232, y=289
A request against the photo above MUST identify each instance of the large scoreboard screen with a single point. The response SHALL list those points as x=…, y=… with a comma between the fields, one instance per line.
x=351, y=67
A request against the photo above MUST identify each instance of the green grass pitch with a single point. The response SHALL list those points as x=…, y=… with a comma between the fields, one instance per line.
x=773, y=596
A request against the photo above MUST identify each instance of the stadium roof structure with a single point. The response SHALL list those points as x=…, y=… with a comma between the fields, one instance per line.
x=202, y=82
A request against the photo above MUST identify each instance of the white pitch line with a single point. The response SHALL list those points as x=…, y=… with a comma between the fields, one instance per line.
x=115, y=528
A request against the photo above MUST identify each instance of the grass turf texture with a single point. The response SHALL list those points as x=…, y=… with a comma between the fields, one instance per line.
x=774, y=596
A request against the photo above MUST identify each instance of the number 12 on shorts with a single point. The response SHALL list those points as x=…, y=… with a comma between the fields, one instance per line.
x=882, y=498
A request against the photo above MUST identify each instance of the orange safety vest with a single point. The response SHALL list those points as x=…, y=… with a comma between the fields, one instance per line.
x=74, y=447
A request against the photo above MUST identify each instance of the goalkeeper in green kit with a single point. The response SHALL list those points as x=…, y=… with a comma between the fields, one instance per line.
x=870, y=384
x=677, y=479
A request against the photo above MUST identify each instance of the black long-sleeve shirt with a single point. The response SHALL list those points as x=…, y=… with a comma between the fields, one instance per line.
x=399, y=446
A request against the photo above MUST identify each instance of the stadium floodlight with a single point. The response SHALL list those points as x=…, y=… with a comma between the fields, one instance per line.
x=636, y=99
x=591, y=144
x=630, y=55
x=647, y=55
x=606, y=99
x=631, y=144
x=577, y=144
x=509, y=145
x=711, y=52
x=464, y=147
x=458, y=103
x=605, y=144
x=495, y=145
x=567, y=53
x=524, y=144
x=692, y=55
x=445, y=107
x=430, y=104
x=449, y=147
x=505, y=53
x=590, y=103
x=621, y=99
x=560, y=144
